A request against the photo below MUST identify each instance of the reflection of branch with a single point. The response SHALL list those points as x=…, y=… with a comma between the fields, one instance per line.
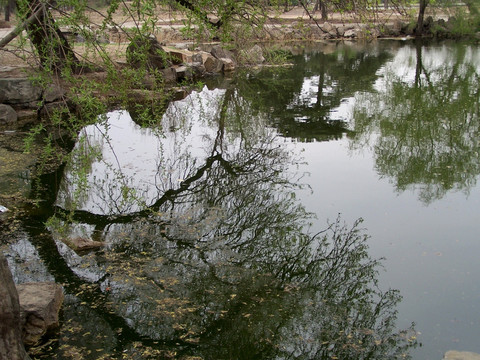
x=169, y=195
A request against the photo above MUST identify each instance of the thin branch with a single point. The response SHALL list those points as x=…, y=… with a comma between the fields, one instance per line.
x=310, y=16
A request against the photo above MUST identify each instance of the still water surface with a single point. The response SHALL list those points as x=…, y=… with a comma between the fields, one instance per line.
x=214, y=215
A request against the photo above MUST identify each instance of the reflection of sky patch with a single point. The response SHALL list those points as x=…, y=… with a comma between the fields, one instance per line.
x=142, y=159
x=301, y=119
x=308, y=95
x=344, y=111
x=137, y=165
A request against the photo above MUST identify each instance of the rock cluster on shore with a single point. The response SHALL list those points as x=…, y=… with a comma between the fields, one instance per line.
x=19, y=93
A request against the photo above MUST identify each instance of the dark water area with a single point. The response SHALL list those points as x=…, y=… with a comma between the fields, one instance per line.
x=326, y=210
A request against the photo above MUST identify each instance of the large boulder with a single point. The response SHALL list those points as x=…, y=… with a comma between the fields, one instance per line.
x=11, y=345
x=7, y=114
x=39, y=306
x=19, y=91
x=148, y=52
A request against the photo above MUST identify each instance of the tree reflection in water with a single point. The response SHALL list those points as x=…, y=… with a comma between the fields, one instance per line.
x=428, y=123
x=216, y=260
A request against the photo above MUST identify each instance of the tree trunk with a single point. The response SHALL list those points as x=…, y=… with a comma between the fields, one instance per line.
x=9, y=8
x=322, y=6
x=323, y=9
x=421, y=14
x=11, y=344
x=52, y=47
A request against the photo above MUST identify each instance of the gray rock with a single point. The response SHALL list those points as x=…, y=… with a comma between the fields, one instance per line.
x=198, y=69
x=7, y=114
x=147, y=51
x=80, y=38
x=197, y=58
x=184, y=72
x=221, y=53
x=39, y=307
x=212, y=64
x=397, y=27
x=19, y=91
x=169, y=75
x=461, y=355
x=11, y=346
x=451, y=23
x=327, y=27
x=53, y=93
x=254, y=55
x=102, y=39
x=350, y=33
x=228, y=65
x=341, y=30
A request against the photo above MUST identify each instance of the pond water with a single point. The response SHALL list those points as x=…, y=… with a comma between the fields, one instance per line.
x=231, y=221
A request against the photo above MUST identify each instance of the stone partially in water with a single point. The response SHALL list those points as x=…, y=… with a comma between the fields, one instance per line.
x=461, y=355
x=254, y=55
x=39, y=307
x=83, y=244
x=228, y=64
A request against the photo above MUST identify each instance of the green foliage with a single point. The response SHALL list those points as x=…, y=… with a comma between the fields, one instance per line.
x=276, y=55
x=464, y=24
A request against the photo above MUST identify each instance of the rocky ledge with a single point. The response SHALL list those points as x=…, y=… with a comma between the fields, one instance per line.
x=21, y=97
